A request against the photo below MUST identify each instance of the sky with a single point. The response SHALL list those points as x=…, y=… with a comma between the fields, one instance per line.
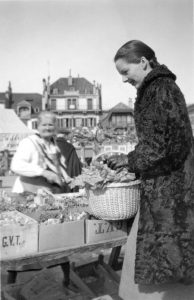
x=41, y=38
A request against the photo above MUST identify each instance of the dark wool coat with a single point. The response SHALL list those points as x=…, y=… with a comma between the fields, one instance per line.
x=164, y=159
x=74, y=165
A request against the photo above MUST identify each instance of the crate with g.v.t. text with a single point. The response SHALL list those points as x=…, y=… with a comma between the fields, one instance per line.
x=19, y=235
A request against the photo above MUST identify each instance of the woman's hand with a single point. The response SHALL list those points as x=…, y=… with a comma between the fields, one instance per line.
x=117, y=161
x=51, y=177
x=68, y=180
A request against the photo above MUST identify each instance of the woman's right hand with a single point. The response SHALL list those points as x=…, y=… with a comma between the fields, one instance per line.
x=51, y=177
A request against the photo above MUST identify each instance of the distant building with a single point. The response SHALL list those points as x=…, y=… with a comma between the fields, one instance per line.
x=2, y=100
x=26, y=105
x=130, y=103
x=76, y=102
x=190, y=109
x=6, y=98
x=119, y=117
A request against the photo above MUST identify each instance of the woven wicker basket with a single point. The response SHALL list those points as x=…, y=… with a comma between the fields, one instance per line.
x=118, y=201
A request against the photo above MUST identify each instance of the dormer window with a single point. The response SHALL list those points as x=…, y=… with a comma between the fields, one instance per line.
x=24, y=111
x=55, y=91
x=36, y=109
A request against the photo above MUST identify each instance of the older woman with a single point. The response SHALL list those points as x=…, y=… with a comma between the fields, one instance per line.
x=38, y=160
x=160, y=250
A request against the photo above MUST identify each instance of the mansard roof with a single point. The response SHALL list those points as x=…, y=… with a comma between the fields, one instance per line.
x=78, y=84
x=121, y=107
x=190, y=108
x=34, y=99
x=24, y=103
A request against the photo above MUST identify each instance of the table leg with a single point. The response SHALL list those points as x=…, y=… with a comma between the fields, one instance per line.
x=66, y=272
x=113, y=259
x=12, y=275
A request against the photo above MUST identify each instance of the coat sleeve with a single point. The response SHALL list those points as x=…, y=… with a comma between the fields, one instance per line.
x=25, y=160
x=164, y=135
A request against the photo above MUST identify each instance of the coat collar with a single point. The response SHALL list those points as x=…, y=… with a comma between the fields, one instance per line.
x=159, y=71
x=52, y=139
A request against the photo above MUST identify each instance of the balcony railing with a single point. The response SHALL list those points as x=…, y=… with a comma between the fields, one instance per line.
x=77, y=108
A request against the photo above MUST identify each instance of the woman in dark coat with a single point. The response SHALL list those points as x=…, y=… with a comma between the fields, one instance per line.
x=160, y=251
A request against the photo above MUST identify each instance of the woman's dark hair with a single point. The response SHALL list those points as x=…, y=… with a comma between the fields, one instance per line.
x=133, y=50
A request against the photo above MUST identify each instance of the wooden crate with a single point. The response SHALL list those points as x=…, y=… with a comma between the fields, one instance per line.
x=18, y=240
x=100, y=230
x=56, y=236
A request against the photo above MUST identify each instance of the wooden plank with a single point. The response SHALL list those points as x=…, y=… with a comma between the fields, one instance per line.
x=110, y=285
x=113, y=274
x=54, y=257
x=79, y=283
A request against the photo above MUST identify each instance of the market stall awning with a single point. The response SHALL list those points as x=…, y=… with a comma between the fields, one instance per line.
x=12, y=130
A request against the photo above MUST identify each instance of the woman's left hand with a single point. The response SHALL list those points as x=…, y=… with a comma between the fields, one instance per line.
x=117, y=161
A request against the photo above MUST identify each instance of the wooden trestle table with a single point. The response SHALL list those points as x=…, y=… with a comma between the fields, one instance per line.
x=60, y=257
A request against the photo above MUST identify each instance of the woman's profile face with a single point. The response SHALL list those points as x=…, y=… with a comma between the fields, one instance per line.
x=132, y=73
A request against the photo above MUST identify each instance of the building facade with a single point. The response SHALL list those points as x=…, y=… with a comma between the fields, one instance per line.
x=190, y=109
x=76, y=102
x=26, y=105
x=120, y=117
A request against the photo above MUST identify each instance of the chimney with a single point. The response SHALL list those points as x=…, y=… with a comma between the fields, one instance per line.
x=70, y=81
x=46, y=93
x=99, y=87
x=44, y=85
x=94, y=87
x=8, y=95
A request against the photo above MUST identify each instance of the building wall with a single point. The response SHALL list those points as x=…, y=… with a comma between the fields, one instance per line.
x=32, y=124
x=191, y=116
x=76, y=104
x=2, y=105
x=69, y=121
x=81, y=102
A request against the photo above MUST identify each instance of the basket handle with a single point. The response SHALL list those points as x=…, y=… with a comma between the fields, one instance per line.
x=108, y=152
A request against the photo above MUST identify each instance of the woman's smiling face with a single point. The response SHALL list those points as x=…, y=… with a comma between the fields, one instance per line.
x=133, y=73
x=47, y=127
